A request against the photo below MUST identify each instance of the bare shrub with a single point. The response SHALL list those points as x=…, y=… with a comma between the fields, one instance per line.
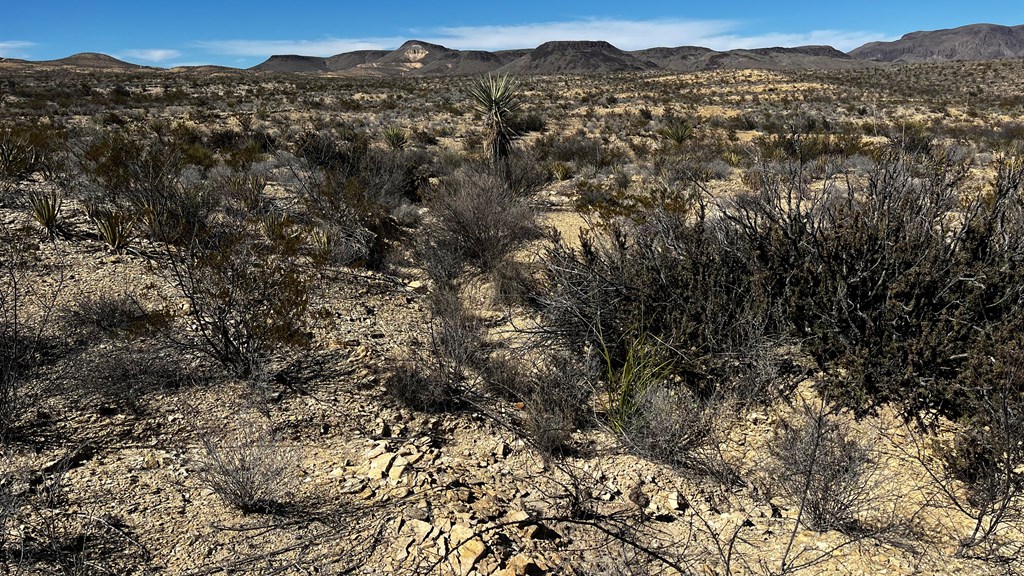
x=124, y=375
x=247, y=469
x=22, y=336
x=557, y=403
x=825, y=470
x=58, y=534
x=983, y=472
x=670, y=425
x=8, y=508
x=112, y=314
x=414, y=385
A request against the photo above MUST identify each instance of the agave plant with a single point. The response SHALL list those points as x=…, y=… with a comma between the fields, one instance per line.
x=497, y=98
x=395, y=137
x=46, y=211
x=114, y=228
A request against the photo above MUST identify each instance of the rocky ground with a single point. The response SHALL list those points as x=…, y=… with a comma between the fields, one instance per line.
x=372, y=487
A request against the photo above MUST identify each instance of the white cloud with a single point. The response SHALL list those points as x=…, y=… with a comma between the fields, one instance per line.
x=15, y=48
x=839, y=39
x=322, y=47
x=151, y=54
x=625, y=34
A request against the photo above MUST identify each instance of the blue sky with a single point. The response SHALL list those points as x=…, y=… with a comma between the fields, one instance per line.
x=245, y=33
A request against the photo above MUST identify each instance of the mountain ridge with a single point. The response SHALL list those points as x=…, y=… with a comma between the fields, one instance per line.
x=421, y=58
x=971, y=42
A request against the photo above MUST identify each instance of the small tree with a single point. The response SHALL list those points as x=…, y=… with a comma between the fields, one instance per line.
x=497, y=99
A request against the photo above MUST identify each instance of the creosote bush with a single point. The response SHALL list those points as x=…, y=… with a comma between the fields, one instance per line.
x=247, y=298
x=353, y=190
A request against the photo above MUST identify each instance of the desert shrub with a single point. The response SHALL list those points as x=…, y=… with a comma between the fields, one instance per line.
x=882, y=284
x=22, y=336
x=412, y=387
x=911, y=138
x=321, y=149
x=343, y=245
x=455, y=337
x=524, y=175
x=178, y=213
x=806, y=147
x=578, y=150
x=557, y=402
x=479, y=219
x=429, y=137
x=142, y=174
x=27, y=149
x=247, y=469
x=825, y=470
x=527, y=123
x=246, y=189
x=8, y=507
x=671, y=424
x=353, y=188
x=684, y=281
x=247, y=299
x=986, y=456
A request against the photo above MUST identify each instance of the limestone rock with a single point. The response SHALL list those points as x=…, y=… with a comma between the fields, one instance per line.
x=467, y=548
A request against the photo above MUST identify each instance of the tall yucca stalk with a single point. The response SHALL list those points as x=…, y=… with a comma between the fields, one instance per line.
x=497, y=98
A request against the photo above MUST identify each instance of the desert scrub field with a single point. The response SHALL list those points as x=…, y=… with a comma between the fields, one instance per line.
x=714, y=323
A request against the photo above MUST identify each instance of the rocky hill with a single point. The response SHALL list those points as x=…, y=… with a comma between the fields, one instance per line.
x=348, y=60
x=92, y=60
x=292, y=63
x=577, y=57
x=419, y=58
x=974, y=42
x=695, y=58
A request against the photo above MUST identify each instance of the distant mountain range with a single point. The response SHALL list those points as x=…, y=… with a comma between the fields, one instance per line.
x=974, y=42
x=416, y=58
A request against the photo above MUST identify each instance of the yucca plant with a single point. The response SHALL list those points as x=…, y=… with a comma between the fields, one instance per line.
x=678, y=131
x=497, y=98
x=395, y=138
x=18, y=158
x=46, y=211
x=114, y=228
x=643, y=368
